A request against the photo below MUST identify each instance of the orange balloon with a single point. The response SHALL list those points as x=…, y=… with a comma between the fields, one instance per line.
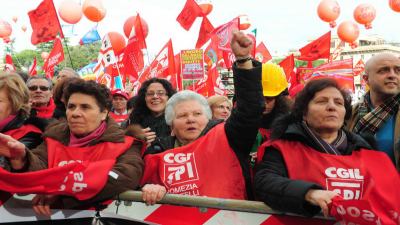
x=94, y=10
x=70, y=11
x=329, y=11
x=365, y=14
x=244, y=22
x=128, y=25
x=205, y=5
x=15, y=19
x=117, y=41
x=348, y=31
x=23, y=27
x=5, y=29
x=44, y=55
x=395, y=5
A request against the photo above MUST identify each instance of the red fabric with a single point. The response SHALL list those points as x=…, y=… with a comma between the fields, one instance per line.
x=9, y=64
x=357, y=177
x=78, y=172
x=359, y=68
x=262, y=53
x=46, y=112
x=224, y=34
x=163, y=66
x=295, y=220
x=133, y=55
x=119, y=118
x=22, y=131
x=55, y=57
x=197, y=168
x=32, y=69
x=288, y=65
x=189, y=14
x=177, y=59
x=205, y=32
x=317, y=49
x=172, y=215
x=6, y=120
x=44, y=22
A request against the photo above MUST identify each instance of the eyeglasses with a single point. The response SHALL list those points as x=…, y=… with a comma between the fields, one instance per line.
x=35, y=87
x=158, y=93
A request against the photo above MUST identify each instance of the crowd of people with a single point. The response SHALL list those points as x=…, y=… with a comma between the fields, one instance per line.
x=266, y=145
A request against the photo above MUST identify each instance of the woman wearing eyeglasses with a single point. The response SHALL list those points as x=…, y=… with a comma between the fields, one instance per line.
x=14, y=113
x=220, y=107
x=147, y=119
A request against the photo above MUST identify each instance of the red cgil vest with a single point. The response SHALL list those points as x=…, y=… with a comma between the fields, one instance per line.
x=22, y=131
x=366, y=180
x=205, y=167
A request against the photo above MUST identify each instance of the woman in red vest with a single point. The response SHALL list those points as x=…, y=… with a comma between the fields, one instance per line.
x=311, y=159
x=14, y=113
x=205, y=157
x=106, y=161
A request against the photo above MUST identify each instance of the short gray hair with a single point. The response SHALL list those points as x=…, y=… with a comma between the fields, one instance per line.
x=183, y=96
x=37, y=77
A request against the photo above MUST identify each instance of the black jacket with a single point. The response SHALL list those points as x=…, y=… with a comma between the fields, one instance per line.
x=242, y=126
x=271, y=181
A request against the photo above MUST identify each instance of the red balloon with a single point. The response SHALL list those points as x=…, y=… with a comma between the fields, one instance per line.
x=244, y=22
x=365, y=14
x=205, y=5
x=70, y=11
x=128, y=25
x=94, y=10
x=15, y=19
x=329, y=11
x=348, y=31
x=117, y=41
x=44, y=55
x=5, y=29
x=395, y=5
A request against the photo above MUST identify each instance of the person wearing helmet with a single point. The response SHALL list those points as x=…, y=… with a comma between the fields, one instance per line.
x=275, y=91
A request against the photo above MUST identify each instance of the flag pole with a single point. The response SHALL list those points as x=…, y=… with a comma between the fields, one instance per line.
x=69, y=55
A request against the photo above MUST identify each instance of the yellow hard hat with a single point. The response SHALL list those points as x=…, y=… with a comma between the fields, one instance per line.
x=273, y=80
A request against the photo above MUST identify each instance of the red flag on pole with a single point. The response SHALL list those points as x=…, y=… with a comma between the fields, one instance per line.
x=317, y=49
x=9, y=64
x=224, y=33
x=262, y=53
x=189, y=14
x=45, y=23
x=55, y=57
x=32, y=69
x=288, y=65
x=205, y=32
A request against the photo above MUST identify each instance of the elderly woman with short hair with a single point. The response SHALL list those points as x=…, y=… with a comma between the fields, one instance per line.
x=220, y=106
x=207, y=157
x=297, y=172
x=88, y=138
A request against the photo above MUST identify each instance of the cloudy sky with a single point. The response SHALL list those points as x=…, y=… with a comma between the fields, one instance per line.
x=281, y=24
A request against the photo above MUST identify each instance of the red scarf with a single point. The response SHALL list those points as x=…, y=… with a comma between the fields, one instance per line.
x=5, y=121
x=46, y=112
x=75, y=141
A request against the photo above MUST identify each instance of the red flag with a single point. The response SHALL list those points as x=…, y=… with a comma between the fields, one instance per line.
x=137, y=34
x=32, y=69
x=9, y=64
x=359, y=68
x=288, y=65
x=205, y=32
x=55, y=57
x=189, y=14
x=319, y=48
x=163, y=66
x=177, y=60
x=224, y=33
x=262, y=53
x=253, y=49
x=44, y=22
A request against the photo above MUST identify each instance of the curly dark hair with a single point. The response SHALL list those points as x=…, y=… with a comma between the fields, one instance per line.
x=99, y=91
x=140, y=109
x=59, y=88
x=300, y=104
x=282, y=106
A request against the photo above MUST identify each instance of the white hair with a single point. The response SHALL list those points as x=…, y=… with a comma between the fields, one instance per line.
x=183, y=96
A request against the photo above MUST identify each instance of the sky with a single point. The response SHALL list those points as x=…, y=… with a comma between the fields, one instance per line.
x=281, y=24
